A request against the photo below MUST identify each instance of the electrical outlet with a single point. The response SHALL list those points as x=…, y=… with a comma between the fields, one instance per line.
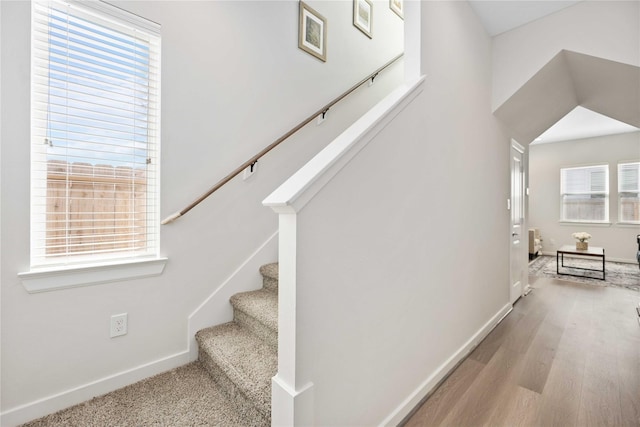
x=118, y=325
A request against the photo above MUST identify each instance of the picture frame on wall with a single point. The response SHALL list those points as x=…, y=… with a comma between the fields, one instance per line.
x=363, y=16
x=312, y=32
x=398, y=7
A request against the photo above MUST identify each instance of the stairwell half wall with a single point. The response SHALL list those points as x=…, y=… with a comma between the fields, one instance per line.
x=401, y=255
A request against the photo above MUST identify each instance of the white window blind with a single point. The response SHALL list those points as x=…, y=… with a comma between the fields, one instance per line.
x=585, y=193
x=629, y=192
x=95, y=133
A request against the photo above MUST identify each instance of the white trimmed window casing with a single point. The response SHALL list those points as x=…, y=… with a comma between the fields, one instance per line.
x=584, y=194
x=95, y=135
x=629, y=192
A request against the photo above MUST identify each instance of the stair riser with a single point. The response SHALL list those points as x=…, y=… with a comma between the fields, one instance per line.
x=251, y=413
x=258, y=328
x=270, y=284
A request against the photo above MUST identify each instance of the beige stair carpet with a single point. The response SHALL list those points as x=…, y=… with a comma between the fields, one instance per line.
x=241, y=356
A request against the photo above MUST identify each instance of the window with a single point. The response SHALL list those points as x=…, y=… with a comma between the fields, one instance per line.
x=95, y=134
x=585, y=193
x=629, y=192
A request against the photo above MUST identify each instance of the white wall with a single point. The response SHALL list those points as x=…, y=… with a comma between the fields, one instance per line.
x=605, y=29
x=412, y=234
x=233, y=80
x=545, y=162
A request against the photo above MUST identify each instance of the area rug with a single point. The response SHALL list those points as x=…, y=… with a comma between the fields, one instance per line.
x=616, y=273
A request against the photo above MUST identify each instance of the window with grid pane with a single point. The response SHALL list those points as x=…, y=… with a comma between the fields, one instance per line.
x=585, y=193
x=629, y=192
x=95, y=133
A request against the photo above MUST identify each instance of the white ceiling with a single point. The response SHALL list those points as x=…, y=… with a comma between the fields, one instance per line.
x=499, y=16
x=583, y=123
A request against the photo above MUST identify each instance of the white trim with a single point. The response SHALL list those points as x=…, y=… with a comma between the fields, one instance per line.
x=298, y=190
x=517, y=146
x=53, y=278
x=430, y=384
x=291, y=407
x=287, y=299
x=115, y=13
x=50, y=404
x=590, y=223
x=286, y=408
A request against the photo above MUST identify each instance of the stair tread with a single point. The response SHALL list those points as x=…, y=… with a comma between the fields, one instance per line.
x=248, y=361
x=261, y=305
x=270, y=270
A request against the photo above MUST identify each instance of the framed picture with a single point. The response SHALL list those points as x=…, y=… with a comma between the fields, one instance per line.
x=363, y=15
x=398, y=7
x=312, y=33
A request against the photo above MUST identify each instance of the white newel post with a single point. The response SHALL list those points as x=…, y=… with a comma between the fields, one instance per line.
x=290, y=405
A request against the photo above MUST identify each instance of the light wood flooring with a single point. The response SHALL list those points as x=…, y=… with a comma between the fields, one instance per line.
x=567, y=355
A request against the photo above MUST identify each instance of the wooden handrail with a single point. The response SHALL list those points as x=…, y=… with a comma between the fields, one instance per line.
x=275, y=143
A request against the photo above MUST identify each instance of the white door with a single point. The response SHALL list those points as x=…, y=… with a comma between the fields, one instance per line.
x=518, y=238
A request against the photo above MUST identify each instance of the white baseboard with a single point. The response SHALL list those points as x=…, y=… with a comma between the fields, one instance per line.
x=622, y=260
x=527, y=289
x=214, y=310
x=67, y=398
x=428, y=385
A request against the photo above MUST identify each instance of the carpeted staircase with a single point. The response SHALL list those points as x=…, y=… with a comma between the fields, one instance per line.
x=239, y=356
x=242, y=356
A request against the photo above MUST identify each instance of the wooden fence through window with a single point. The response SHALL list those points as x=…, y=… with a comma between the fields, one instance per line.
x=95, y=208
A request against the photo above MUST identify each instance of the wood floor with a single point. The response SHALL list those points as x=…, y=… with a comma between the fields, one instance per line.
x=567, y=355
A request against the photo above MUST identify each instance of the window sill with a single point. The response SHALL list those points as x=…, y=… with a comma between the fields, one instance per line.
x=628, y=224
x=589, y=223
x=50, y=279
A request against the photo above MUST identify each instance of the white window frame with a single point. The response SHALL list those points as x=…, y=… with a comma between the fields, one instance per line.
x=77, y=270
x=584, y=192
x=627, y=190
